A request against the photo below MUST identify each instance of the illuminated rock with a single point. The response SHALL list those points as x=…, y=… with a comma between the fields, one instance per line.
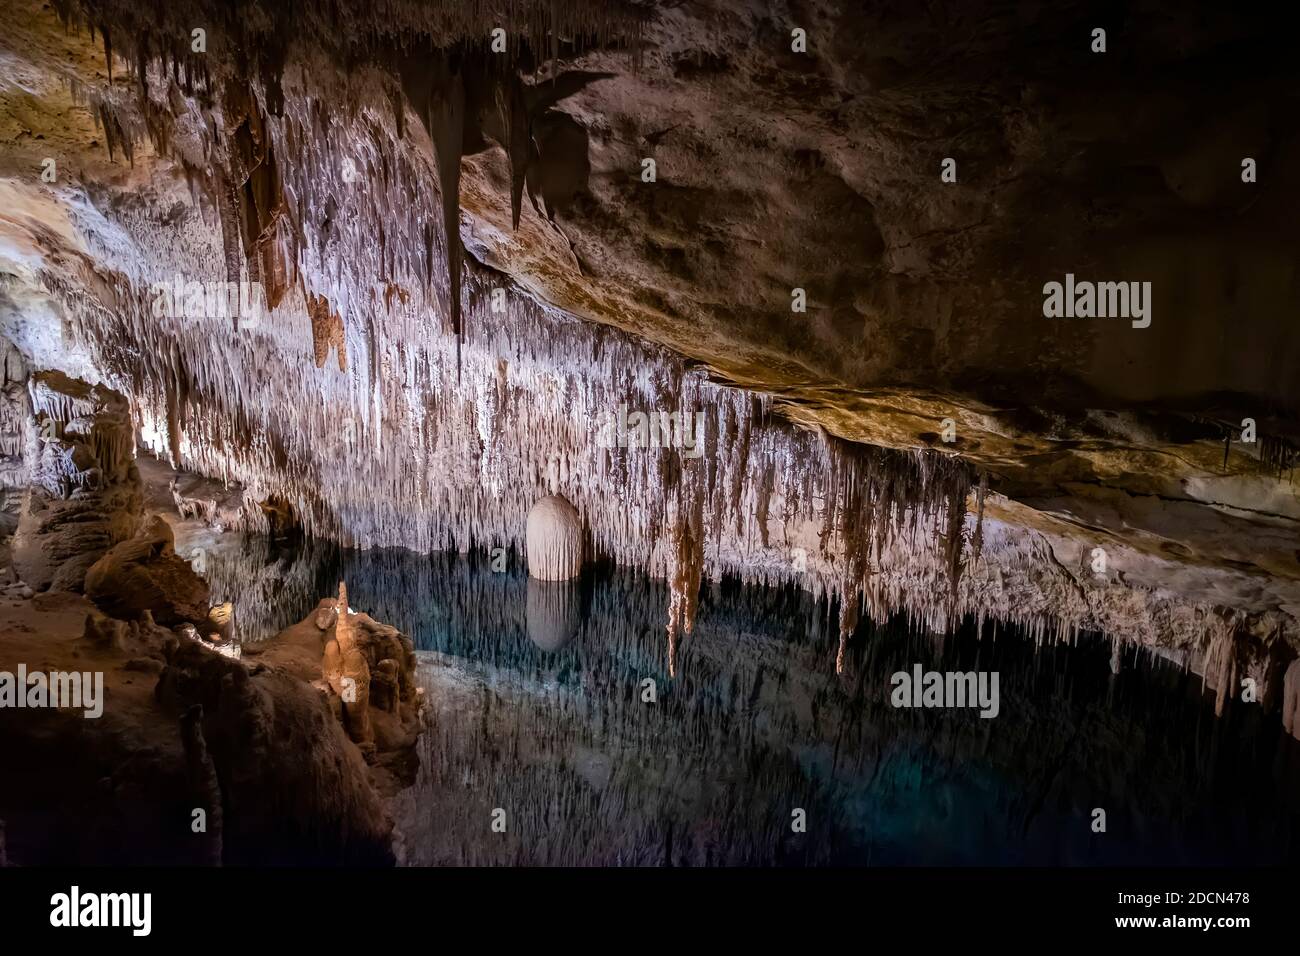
x=554, y=539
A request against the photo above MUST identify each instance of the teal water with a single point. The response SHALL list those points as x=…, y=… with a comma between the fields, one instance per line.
x=537, y=708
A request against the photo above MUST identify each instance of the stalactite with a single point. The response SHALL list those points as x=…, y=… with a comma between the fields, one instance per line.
x=327, y=331
x=519, y=142
x=687, y=543
x=1291, y=699
x=1277, y=453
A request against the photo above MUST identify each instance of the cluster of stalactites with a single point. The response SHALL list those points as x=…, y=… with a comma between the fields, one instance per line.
x=409, y=441
x=400, y=448
x=259, y=154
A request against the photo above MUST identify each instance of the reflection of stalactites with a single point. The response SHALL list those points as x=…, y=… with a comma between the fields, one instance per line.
x=447, y=126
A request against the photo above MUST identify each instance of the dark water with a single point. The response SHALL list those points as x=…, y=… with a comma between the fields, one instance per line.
x=535, y=708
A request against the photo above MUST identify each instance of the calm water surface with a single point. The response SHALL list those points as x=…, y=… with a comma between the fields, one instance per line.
x=538, y=706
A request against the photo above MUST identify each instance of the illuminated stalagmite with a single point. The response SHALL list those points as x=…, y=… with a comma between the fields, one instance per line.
x=554, y=540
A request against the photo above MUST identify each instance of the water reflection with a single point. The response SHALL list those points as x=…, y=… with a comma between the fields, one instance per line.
x=553, y=703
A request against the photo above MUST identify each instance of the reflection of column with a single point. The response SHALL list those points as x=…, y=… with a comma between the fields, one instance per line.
x=554, y=612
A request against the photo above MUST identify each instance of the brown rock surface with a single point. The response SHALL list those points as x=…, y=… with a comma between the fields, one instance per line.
x=146, y=574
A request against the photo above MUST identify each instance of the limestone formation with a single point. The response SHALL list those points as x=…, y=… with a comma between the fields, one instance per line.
x=255, y=718
x=82, y=489
x=346, y=667
x=554, y=539
x=221, y=622
x=368, y=667
x=1291, y=699
x=360, y=451
x=384, y=394
x=146, y=574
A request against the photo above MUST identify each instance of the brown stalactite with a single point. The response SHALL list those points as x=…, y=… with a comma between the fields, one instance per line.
x=446, y=126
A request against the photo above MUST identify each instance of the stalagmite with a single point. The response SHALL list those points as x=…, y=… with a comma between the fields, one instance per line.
x=347, y=671
x=554, y=540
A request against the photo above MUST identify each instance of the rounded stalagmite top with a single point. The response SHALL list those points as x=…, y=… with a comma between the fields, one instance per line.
x=554, y=539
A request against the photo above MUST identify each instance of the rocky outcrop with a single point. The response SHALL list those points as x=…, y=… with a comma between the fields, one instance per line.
x=82, y=494
x=293, y=787
x=146, y=574
x=225, y=762
x=364, y=672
